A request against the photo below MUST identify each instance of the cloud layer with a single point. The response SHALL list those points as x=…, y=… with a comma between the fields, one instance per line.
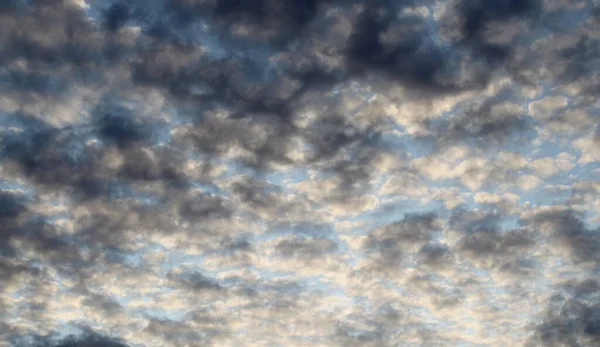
x=299, y=173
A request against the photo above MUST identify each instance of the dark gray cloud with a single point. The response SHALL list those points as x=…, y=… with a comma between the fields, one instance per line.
x=118, y=126
x=567, y=229
x=485, y=243
x=203, y=207
x=303, y=248
x=196, y=281
x=180, y=333
x=405, y=55
x=116, y=16
x=413, y=229
x=152, y=164
x=571, y=317
x=507, y=250
x=35, y=33
x=468, y=221
x=435, y=256
x=391, y=244
x=11, y=206
x=475, y=15
x=88, y=337
x=47, y=157
x=487, y=124
x=20, y=226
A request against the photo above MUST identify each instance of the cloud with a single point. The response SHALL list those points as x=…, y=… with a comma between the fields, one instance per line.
x=570, y=318
x=305, y=248
x=528, y=182
x=213, y=172
x=387, y=245
x=87, y=337
x=494, y=249
x=435, y=256
x=488, y=124
x=589, y=148
x=569, y=233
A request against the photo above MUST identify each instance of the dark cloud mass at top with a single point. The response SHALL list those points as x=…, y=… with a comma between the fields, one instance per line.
x=369, y=173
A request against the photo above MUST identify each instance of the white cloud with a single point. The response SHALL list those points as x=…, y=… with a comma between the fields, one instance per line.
x=547, y=107
x=589, y=147
x=548, y=166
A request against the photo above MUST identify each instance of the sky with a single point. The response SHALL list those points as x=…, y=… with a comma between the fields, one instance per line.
x=299, y=173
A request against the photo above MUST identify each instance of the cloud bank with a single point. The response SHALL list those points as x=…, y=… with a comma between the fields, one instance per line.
x=299, y=173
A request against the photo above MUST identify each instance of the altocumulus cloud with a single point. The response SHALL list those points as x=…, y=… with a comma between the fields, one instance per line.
x=299, y=173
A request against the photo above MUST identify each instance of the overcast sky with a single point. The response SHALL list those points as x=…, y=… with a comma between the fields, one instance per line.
x=299, y=173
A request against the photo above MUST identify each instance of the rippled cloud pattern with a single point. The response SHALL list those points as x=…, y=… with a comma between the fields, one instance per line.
x=299, y=173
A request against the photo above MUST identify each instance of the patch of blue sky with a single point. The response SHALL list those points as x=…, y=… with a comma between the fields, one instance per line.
x=270, y=275
x=543, y=196
x=318, y=283
x=300, y=229
x=147, y=199
x=535, y=196
x=391, y=285
x=586, y=171
x=283, y=179
x=133, y=259
x=510, y=222
x=548, y=89
x=362, y=301
x=156, y=312
x=132, y=296
x=405, y=143
x=28, y=191
x=548, y=149
x=235, y=167
x=21, y=294
x=558, y=184
x=176, y=259
x=208, y=188
x=119, y=190
x=333, y=291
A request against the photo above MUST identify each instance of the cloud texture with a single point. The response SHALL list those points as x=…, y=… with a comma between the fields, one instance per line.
x=299, y=173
